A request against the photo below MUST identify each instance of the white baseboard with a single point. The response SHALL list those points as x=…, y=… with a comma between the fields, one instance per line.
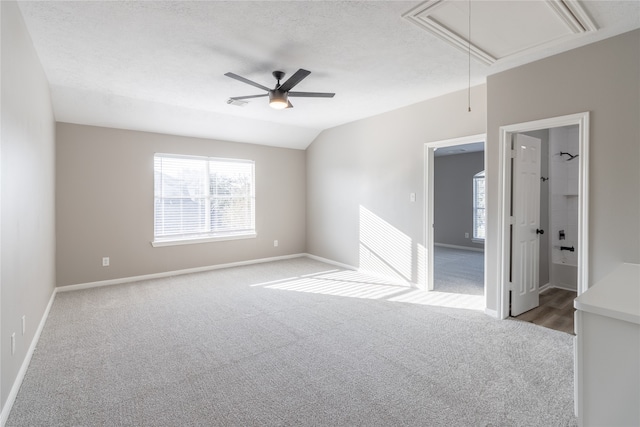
x=332, y=262
x=544, y=287
x=492, y=313
x=375, y=274
x=566, y=288
x=465, y=248
x=392, y=280
x=172, y=273
x=552, y=286
x=13, y=393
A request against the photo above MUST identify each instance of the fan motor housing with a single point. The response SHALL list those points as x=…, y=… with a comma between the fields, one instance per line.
x=278, y=99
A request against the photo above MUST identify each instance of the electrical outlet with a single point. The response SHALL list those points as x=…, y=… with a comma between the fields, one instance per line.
x=13, y=343
x=275, y=243
x=105, y=261
x=24, y=324
x=466, y=235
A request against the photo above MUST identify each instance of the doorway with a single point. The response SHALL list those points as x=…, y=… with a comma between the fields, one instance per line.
x=450, y=238
x=522, y=288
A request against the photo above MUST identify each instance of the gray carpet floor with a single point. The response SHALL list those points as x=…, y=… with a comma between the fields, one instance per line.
x=233, y=347
x=458, y=271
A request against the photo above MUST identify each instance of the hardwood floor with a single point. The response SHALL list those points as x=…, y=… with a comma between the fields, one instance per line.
x=555, y=310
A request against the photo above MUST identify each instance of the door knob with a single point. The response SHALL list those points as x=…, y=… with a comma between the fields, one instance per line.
x=538, y=231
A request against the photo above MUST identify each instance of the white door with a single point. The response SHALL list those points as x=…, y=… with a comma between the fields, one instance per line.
x=525, y=248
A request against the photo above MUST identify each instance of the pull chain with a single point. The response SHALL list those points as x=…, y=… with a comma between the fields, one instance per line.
x=469, y=52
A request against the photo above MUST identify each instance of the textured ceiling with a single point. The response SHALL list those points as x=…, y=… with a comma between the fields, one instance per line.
x=159, y=66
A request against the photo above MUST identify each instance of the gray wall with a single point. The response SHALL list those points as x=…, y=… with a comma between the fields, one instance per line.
x=104, y=204
x=453, y=198
x=602, y=78
x=27, y=257
x=360, y=176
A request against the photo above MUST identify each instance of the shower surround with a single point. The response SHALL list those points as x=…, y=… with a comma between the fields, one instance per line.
x=563, y=174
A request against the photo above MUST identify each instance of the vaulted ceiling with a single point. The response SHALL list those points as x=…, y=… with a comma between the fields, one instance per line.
x=159, y=66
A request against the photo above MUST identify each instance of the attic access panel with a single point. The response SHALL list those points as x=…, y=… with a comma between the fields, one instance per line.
x=500, y=29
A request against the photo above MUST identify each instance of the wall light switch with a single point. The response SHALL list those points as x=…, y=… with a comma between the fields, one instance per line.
x=105, y=261
x=412, y=197
x=466, y=235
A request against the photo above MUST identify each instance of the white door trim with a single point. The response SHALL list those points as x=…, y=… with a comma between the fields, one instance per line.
x=429, y=149
x=504, y=199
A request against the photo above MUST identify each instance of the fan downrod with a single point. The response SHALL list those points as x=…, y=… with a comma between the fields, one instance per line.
x=279, y=75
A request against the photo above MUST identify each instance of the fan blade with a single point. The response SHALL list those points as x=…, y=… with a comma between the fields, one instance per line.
x=294, y=80
x=247, y=97
x=247, y=81
x=312, y=94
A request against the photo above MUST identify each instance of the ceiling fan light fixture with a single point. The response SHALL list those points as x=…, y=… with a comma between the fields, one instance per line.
x=278, y=100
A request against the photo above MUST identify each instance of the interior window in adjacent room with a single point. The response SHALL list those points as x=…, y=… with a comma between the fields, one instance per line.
x=479, y=217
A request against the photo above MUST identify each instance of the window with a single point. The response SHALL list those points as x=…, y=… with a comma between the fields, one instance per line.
x=202, y=199
x=479, y=200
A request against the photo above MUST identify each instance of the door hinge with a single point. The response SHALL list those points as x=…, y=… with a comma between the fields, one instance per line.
x=512, y=220
x=514, y=154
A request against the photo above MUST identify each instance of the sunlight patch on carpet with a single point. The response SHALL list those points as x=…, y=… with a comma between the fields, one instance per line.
x=354, y=284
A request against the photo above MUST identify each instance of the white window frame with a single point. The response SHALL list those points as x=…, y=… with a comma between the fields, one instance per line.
x=208, y=235
x=477, y=177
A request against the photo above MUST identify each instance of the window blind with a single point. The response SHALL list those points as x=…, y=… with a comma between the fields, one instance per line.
x=479, y=217
x=202, y=197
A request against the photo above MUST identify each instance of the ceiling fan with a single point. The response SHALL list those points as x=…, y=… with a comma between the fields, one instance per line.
x=279, y=95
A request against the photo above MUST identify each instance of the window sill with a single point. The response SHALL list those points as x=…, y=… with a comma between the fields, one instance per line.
x=176, y=242
x=481, y=241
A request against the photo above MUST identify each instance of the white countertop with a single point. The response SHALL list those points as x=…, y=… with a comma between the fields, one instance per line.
x=616, y=296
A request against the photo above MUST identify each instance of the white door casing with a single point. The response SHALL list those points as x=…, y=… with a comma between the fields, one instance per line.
x=429, y=150
x=503, y=214
x=526, y=224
